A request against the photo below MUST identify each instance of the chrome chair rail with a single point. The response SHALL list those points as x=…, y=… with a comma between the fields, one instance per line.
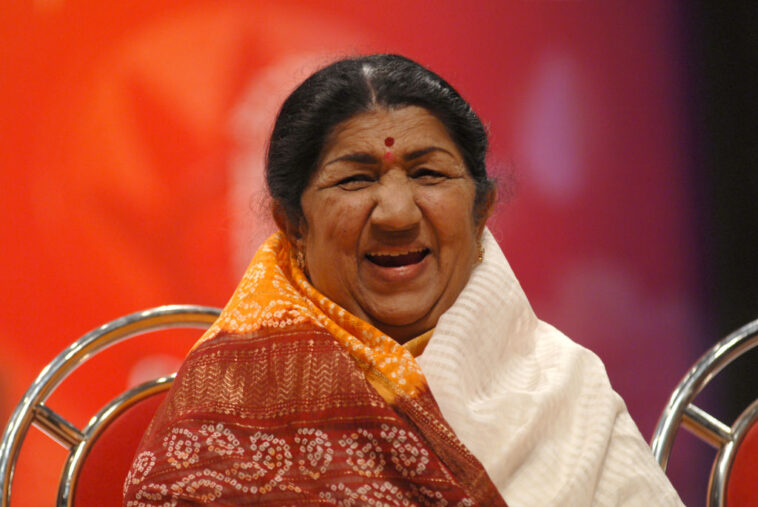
x=681, y=411
x=97, y=425
x=32, y=408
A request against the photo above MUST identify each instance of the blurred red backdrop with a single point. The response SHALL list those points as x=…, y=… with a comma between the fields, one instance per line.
x=132, y=139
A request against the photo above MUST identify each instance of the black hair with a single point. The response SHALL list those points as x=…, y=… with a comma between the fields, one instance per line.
x=357, y=85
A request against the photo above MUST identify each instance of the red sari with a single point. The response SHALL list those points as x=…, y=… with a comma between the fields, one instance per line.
x=288, y=399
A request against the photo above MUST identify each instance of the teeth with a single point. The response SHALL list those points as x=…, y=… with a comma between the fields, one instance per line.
x=396, y=254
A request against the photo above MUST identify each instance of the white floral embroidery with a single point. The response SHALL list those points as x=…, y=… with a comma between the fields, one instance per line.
x=246, y=472
x=407, y=454
x=203, y=487
x=182, y=447
x=271, y=452
x=426, y=496
x=364, y=454
x=152, y=495
x=316, y=452
x=143, y=463
x=271, y=456
x=221, y=440
x=381, y=494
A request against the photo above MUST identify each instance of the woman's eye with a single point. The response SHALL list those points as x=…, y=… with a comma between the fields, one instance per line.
x=429, y=176
x=355, y=182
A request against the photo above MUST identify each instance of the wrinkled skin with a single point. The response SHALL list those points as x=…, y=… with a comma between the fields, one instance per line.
x=388, y=225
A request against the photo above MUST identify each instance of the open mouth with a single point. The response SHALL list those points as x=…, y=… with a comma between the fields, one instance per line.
x=398, y=259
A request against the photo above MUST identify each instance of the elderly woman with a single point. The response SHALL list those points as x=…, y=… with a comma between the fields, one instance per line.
x=379, y=349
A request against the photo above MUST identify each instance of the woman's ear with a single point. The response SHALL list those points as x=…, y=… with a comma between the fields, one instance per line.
x=486, y=209
x=283, y=221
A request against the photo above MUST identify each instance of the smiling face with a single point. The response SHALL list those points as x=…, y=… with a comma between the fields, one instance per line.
x=388, y=229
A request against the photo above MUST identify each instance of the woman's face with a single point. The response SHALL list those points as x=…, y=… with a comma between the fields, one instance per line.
x=389, y=232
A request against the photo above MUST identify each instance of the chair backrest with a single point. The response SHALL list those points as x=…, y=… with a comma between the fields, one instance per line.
x=101, y=453
x=734, y=477
x=95, y=474
x=742, y=483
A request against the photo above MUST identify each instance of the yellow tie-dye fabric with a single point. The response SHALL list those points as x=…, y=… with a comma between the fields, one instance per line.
x=275, y=294
x=417, y=345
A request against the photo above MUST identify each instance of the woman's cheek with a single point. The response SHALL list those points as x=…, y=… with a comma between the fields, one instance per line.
x=447, y=206
x=352, y=211
x=338, y=225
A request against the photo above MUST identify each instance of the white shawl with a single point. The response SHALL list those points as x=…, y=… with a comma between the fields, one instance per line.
x=536, y=408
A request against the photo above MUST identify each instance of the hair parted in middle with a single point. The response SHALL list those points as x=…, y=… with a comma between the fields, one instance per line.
x=352, y=86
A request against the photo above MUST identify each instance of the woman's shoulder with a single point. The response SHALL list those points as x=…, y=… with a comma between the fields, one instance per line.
x=244, y=373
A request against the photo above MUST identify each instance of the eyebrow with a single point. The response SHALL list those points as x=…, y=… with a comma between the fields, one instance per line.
x=424, y=151
x=361, y=158
x=366, y=158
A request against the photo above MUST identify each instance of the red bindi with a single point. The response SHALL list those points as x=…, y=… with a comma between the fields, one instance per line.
x=388, y=142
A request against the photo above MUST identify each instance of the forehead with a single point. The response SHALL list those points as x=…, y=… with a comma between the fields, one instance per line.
x=407, y=126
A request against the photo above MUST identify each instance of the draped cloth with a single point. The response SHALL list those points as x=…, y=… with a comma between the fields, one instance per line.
x=534, y=407
x=289, y=399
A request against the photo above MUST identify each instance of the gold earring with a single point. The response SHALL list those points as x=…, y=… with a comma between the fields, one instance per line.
x=480, y=257
x=300, y=258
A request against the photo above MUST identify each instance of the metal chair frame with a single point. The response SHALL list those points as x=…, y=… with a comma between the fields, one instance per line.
x=681, y=411
x=32, y=408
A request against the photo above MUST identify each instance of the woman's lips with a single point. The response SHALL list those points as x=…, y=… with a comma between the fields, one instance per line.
x=398, y=259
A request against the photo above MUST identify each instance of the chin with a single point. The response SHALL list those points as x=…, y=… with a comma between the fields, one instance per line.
x=405, y=326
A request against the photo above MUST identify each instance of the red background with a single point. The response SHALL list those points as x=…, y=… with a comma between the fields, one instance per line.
x=132, y=137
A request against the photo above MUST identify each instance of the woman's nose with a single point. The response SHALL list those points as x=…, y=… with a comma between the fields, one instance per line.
x=396, y=207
